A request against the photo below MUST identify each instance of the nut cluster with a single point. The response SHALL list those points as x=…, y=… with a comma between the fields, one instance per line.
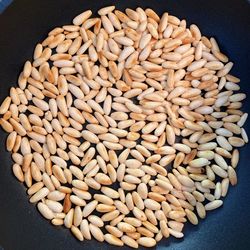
x=125, y=126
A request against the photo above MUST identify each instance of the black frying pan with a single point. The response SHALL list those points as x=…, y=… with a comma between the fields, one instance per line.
x=27, y=22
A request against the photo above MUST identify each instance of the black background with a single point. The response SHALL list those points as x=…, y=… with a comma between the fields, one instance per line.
x=26, y=23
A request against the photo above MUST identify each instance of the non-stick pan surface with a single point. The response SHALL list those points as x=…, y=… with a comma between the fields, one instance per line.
x=25, y=23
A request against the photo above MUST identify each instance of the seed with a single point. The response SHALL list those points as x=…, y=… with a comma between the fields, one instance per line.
x=201, y=210
x=151, y=204
x=89, y=208
x=236, y=142
x=213, y=205
x=67, y=203
x=191, y=217
x=77, y=201
x=107, y=25
x=176, y=234
x=18, y=172
x=56, y=195
x=84, y=227
x=235, y=158
x=17, y=127
x=104, y=11
x=244, y=135
x=242, y=120
x=182, y=148
x=164, y=228
x=129, y=241
x=186, y=181
x=58, y=161
x=103, y=179
x=77, y=233
x=110, y=215
x=219, y=171
x=55, y=206
x=81, y=18
x=5, y=105
x=163, y=184
x=200, y=162
x=125, y=227
x=35, y=187
x=121, y=207
x=45, y=211
x=11, y=139
x=111, y=239
x=57, y=222
x=146, y=242
x=96, y=232
x=77, y=216
x=42, y=193
x=68, y=220
x=222, y=141
x=232, y=176
x=217, y=192
x=220, y=161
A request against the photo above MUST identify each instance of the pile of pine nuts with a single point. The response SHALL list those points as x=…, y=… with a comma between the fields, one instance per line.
x=125, y=126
